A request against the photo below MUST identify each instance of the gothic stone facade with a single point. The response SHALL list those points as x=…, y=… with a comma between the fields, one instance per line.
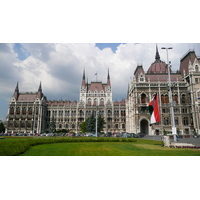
x=33, y=113
x=185, y=85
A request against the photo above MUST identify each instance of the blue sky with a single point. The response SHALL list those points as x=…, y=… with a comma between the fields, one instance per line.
x=113, y=46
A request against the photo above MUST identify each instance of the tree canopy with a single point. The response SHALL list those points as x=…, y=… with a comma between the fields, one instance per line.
x=89, y=125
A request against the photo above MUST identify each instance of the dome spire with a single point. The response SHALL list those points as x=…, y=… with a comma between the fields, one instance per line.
x=157, y=54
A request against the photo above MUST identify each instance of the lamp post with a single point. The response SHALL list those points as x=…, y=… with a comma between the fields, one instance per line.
x=170, y=96
x=96, y=116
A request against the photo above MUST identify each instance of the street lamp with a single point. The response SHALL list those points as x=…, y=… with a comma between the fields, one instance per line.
x=170, y=96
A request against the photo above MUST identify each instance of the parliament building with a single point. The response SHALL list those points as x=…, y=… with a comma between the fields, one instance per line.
x=33, y=113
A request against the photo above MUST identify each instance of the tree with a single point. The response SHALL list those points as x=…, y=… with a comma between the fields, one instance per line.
x=100, y=124
x=89, y=125
x=2, y=127
x=83, y=127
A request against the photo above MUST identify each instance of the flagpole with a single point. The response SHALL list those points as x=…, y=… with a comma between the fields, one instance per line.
x=170, y=97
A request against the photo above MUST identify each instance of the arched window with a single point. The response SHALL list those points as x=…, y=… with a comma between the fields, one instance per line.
x=162, y=99
x=166, y=121
x=11, y=110
x=143, y=98
x=101, y=101
x=166, y=98
x=24, y=110
x=185, y=121
x=18, y=110
x=175, y=98
x=176, y=120
x=183, y=99
x=30, y=110
x=95, y=101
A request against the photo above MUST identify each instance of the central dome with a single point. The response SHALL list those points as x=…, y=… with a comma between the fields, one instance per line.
x=158, y=66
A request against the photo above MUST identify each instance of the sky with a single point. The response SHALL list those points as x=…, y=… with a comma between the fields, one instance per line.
x=59, y=66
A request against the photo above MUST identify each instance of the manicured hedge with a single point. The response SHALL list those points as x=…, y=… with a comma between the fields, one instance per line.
x=19, y=146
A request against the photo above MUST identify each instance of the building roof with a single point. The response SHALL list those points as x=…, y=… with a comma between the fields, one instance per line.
x=189, y=56
x=96, y=86
x=27, y=97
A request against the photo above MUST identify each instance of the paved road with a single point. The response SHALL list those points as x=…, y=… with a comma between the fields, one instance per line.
x=191, y=140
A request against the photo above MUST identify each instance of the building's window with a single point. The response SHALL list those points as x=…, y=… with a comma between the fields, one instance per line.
x=175, y=98
x=30, y=110
x=166, y=121
x=183, y=101
x=166, y=98
x=18, y=110
x=101, y=101
x=196, y=68
x=11, y=110
x=116, y=125
x=24, y=110
x=123, y=113
x=73, y=125
x=123, y=126
x=187, y=131
x=143, y=98
x=185, y=121
x=176, y=121
x=116, y=113
x=184, y=110
x=196, y=80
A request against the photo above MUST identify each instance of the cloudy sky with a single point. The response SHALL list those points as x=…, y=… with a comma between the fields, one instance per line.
x=59, y=66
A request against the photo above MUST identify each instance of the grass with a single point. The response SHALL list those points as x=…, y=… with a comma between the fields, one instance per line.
x=88, y=147
x=107, y=149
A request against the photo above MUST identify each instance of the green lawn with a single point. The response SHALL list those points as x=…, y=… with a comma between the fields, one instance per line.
x=107, y=149
x=65, y=146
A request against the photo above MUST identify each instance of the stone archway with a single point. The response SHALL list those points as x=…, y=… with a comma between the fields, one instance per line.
x=144, y=127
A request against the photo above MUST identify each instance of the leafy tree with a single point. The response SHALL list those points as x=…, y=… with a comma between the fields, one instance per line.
x=83, y=126
x=2, y=127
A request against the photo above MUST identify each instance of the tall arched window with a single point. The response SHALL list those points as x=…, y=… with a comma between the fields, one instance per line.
x=196, y=68
x=143, y=98
x=185, y=121
x=166, y=98
x=162, y=99
x=166, y=121
x=183, y=99
x=175, y=98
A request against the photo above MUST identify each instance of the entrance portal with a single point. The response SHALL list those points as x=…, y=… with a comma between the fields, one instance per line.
x=144, y=127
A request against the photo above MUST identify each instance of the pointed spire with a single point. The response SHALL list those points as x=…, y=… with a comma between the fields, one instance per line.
x=108, y=74
x=157, y=54
x=17, y=88
x=40, y=87
x=83, y=80
x=84, y=74
x=16, y=93
x=40, y=91
x=108, y=79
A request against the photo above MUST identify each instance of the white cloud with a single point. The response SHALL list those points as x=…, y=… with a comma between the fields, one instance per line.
x=60, y=66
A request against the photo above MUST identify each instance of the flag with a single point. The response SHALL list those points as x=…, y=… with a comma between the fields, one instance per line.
x=154, y=110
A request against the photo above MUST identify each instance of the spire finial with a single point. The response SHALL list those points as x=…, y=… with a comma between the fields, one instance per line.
x=108, y=74
x=157, y=54
x=40, y=87
x=17, y=88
